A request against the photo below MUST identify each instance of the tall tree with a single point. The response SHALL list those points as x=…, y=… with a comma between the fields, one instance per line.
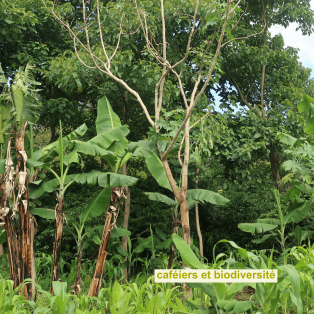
x=192, y=44
x=270, y=81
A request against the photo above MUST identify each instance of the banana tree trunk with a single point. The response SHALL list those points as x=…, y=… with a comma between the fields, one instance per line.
x=110, y=220
x=101, y=259
x=13, y=251
x=125, y=223
x=57, y=243
x=6, y=190
x=26, y=219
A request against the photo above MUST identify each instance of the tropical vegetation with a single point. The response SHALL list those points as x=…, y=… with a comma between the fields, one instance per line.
x=137, y=136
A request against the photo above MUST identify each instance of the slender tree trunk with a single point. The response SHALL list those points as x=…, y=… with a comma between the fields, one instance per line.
x=53, y=137
x=112, y=214
x=57, y=243
x=184, y=209
x=77, y=286
x=198, y=228
x=1, y=249
x=263, y=78
x=125, y=223
x=181, y=196
x=275, y=167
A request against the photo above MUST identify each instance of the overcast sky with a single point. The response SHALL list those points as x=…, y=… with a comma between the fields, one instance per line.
x=295, y=39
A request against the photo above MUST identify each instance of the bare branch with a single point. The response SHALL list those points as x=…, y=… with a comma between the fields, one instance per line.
x=179, y=152
x=181, y=88
x=119, y=38
x=193, y=125
x=195, y=98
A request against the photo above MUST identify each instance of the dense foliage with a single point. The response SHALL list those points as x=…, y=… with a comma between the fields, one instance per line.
x=116, y=158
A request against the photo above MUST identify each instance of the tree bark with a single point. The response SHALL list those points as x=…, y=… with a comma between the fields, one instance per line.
x=53, y=137
x=1, y=250
x=57, y=243
x=173, y=247
x=125, y=223
x=275, y=167
x=198, y=227
x=77, y=286
x=184, y=209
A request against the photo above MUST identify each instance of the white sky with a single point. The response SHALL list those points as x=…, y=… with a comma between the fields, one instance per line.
x=295, y=39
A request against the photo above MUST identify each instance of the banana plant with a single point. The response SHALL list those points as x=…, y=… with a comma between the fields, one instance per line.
x=92, y=210
x=108, y=122
x=18, y=102
x=296, y=212
x=109, y=141
x=64, y=181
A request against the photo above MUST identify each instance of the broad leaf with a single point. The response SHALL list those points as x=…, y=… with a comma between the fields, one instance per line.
x=153, y=196
x=17, y=96
x=157, y=170
x=90, y=149
x=188, y=257
x=287, y=139
x=164, y=245
x=119, y=147
x=28, y=113
x=41, y=153
x=305, y=103
x=235, y=306
x=97, y=206
x=30, y=163
x=295, y=282
x=3, y=236
x=256, y=227
x=105, y=139
x=267, y=238
x=72, y=157
x=49, y=186
x=207, y=288
x=272, y=221
x=106, y=118
x=145, y=244
x=148, y=145
x=201, y=196
x=119, y=232
x=299, y=212
x=43, y=212
x=105, y=179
